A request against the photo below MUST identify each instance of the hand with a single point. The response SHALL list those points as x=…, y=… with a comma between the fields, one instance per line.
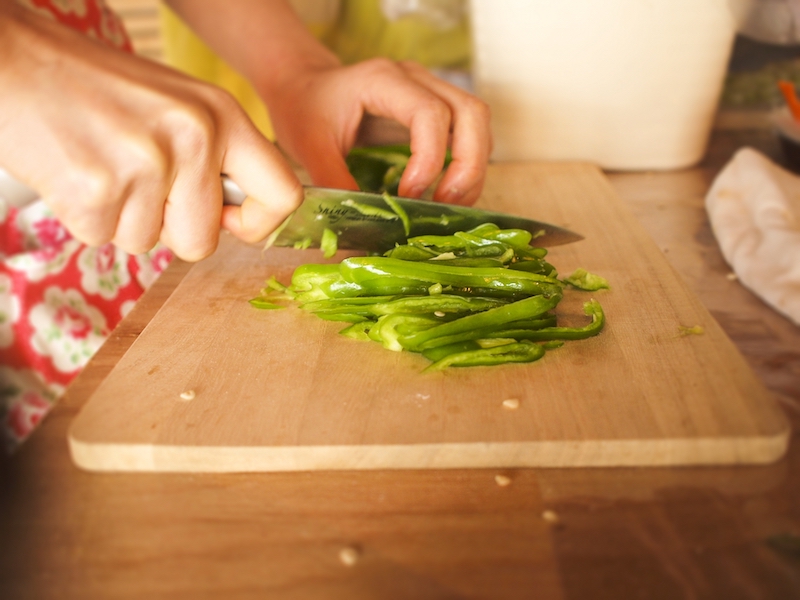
x=316, y=114
x=127, y=151
x=316, y=105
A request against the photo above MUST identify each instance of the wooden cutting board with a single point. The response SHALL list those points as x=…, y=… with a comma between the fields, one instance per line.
x=281, y=390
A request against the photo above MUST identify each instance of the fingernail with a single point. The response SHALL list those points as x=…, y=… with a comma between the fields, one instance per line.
x=416, y=191
x=453, y=194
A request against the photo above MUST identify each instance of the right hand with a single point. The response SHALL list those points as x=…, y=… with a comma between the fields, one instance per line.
x=127, y=151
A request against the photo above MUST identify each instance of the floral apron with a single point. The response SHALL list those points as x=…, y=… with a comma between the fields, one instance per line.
x=59, y=299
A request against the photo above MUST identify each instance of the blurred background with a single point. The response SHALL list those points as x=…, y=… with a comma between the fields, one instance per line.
x=765, y=50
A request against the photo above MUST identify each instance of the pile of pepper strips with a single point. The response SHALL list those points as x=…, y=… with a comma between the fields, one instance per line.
x=479, y=297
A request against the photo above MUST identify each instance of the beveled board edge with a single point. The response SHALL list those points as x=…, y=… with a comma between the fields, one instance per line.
x=594, y=453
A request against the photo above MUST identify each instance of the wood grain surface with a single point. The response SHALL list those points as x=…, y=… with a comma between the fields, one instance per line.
x=281, y=390
x=624, y=532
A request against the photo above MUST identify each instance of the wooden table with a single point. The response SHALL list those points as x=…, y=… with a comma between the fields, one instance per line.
x=553, y=533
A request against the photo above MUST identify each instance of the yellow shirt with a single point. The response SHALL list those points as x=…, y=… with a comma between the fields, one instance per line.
x=435, y=35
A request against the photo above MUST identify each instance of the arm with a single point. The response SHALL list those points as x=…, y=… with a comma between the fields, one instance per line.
x=126, y=150
x=316, y=104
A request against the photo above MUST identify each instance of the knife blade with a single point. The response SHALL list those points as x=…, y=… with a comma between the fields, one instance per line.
x=371, y=222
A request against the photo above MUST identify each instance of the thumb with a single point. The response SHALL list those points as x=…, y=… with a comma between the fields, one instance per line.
x=272, y=188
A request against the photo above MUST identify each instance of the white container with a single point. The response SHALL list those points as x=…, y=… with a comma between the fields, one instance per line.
x=625, y=84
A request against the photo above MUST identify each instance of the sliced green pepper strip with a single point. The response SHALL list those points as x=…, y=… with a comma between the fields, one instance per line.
x=509, y=353
x=398, y=210
x=411, y=252
x=391, y=179
x=380, y=275
x=531, y=252
x=264, y=304
x=346, y=303
x=535, y=265
x=358, y=331
x=591, y=308
x=494, y=317
x=329, y=243
x=390, y=328
x=344, y=317
x=370, y=211
x=307, y=276
x=446, y=303
x=476, y=246
x=519, y=239
x=583, y=280
x=439, y=352
x=484, y=229
x=442, y=243
x=490, y=263
x=273, y=284
x=517, y=330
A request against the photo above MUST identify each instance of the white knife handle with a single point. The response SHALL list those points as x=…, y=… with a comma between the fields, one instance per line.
x=231, y=193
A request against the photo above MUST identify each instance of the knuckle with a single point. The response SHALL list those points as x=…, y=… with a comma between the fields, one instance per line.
x=380, y=64
x=412, y=66
x=217, y=97
x=479, y=107
x=191, y=125
x=95, y=188
x=146, y=164
x=135, y=245
x=196, y=251
x=438, y=109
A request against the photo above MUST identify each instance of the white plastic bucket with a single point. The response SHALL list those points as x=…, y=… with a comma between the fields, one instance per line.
x=625, y=84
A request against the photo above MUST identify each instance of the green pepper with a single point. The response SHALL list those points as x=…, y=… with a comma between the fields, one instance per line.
x=411, y=252
x=358, y=331
x=370, y=211
x=390, y=328
x=583, y=280
x=264, y=303
x=379, y=168
x=329, y=243
x=520, y=352
x=517, y=330
x=381, y=275
x=480, y=297
x=444, y=303
x=398, y=210
x=494, y=317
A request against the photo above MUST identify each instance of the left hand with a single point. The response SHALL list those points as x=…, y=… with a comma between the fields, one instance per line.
x=316, y=115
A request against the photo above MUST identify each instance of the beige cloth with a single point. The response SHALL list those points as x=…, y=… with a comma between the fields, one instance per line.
x=754, y=207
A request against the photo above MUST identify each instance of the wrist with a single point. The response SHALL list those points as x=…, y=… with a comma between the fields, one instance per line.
x=291, y=71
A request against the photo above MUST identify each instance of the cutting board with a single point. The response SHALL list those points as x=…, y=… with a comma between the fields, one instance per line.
x=277, y=390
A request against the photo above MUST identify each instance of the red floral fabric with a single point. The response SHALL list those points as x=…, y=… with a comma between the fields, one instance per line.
x=92, y=17
x=59, y=299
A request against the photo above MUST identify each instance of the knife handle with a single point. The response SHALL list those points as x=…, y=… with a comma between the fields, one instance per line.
x=232, y=194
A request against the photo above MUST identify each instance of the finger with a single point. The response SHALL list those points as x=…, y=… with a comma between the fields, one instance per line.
x=141, y=219
x=142, y=214
x=192, y=213
x=273, y=189
x=471, y=143
x=391, y=93
x=330, y=172
x=88, y=205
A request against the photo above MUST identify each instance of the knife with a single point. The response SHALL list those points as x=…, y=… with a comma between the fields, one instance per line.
x=375, y=222
x=361, y=221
